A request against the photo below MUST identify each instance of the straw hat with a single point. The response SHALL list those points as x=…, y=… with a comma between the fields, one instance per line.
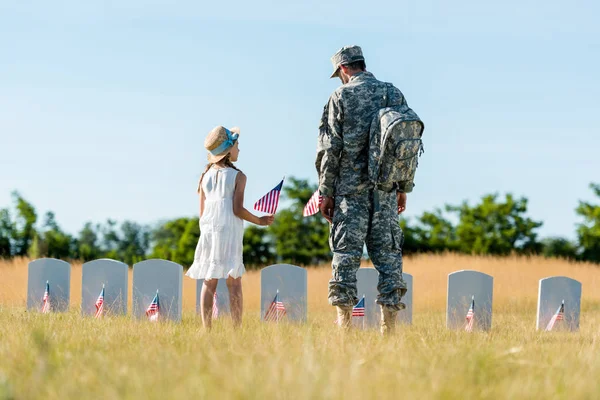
x=220, y=141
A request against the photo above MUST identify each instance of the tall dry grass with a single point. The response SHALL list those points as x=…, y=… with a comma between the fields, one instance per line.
x=64, y=356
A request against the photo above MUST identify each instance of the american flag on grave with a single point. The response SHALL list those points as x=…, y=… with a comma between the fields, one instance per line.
x=559, y=315
x=100, y=304
x=470, y=316
x=276, y=309
x=215, y=307
x=46, y=299
x=312, y=207
x=269, y=202
x=359, y=308
x=153, y=309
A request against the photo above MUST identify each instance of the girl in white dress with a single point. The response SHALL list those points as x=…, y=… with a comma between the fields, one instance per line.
x=219, y=250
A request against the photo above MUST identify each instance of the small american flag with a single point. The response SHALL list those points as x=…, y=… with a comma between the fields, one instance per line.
x=470, y=316
x=215, y=307
x=359, y=308
x=276, y=309
x=100, y=304
x=558, y=316
x=312, y=207
x=269, y=202
x=153, y=309
x=46, y=299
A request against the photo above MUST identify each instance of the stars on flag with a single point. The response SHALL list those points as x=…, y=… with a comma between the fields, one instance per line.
x=276, y=309
x=46, y=299
x=559, y=315
x=153, y=309
x=100, y=304
x=359, y=309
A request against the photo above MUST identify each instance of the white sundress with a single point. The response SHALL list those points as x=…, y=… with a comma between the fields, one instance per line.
x=219, y=250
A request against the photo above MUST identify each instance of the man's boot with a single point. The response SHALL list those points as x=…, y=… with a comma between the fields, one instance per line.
x=344, y=317
x=388, y=320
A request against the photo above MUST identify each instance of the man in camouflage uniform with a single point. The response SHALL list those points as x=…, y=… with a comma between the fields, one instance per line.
x=348, y=196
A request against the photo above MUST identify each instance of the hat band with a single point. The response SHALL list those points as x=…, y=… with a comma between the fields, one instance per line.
x=229, y=142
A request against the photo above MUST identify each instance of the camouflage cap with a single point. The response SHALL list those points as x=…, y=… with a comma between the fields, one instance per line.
x=344, y=56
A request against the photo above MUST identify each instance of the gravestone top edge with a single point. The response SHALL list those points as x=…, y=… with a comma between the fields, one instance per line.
x=104, y=260
x=45, y=259
x=469, y=270
x=560, y=276
x=152, y=260
x=282, y=265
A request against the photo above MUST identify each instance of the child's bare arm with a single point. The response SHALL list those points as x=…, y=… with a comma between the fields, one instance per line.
x=202, y=200
x=238, y=204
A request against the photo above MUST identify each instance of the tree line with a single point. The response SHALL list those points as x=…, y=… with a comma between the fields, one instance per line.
x=496, y=225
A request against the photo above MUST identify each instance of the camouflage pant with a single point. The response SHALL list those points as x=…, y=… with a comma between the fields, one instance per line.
x=355, y=222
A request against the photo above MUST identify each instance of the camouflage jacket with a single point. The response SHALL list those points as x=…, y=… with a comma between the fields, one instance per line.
x=343, y=146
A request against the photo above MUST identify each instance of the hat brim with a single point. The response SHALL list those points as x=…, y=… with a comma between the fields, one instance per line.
x=215, y=159
x=336, y=73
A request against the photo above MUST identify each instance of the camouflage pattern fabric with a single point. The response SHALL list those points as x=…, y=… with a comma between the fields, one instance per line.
x=355, y=223
x=342, y=165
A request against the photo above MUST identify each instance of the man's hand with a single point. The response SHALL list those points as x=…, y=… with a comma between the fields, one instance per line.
x=326, y=207
x=401, y=199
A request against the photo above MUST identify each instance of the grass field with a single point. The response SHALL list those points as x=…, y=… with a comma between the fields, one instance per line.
x=64, y=356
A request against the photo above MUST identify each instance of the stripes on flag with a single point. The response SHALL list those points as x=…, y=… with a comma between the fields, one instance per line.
x=100, y=304
x=153, y=309
x=276, y=309
x=470, y=316
x=215, y=306
x=269, y=202
x=559, y=315
x=359, y=308
x=312, y=207
x=46, y=299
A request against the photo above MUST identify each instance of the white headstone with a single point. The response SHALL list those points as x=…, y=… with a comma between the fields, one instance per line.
x=58, y=275
x=291, y=281
x=114, y=276
x=552, y=291
x=164, y=276
x=222, y=296
x=462, y=286
x=366, y=285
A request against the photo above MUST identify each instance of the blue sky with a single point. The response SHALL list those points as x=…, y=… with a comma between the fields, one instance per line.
x=104, y=106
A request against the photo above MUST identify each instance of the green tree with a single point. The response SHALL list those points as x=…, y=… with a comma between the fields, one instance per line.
x=24, y=226
x=87, y=243
x=186, y=247
x=496, y=227
x=257, y=247
x=134, y=242
x=56, y=243
x=588, y=232
x=6, y=234
x=176, y=240
x=296, y=239
x=128, y=243
x=559, y=247
x=437, y=233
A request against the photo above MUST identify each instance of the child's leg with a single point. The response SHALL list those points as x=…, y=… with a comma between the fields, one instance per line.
x=206, y=301
x=236, y=299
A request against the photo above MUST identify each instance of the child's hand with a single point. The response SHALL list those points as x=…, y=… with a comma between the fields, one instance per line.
x=266, y=220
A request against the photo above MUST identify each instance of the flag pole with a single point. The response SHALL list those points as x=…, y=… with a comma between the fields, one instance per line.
x=365, y=313
x=276, y=307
